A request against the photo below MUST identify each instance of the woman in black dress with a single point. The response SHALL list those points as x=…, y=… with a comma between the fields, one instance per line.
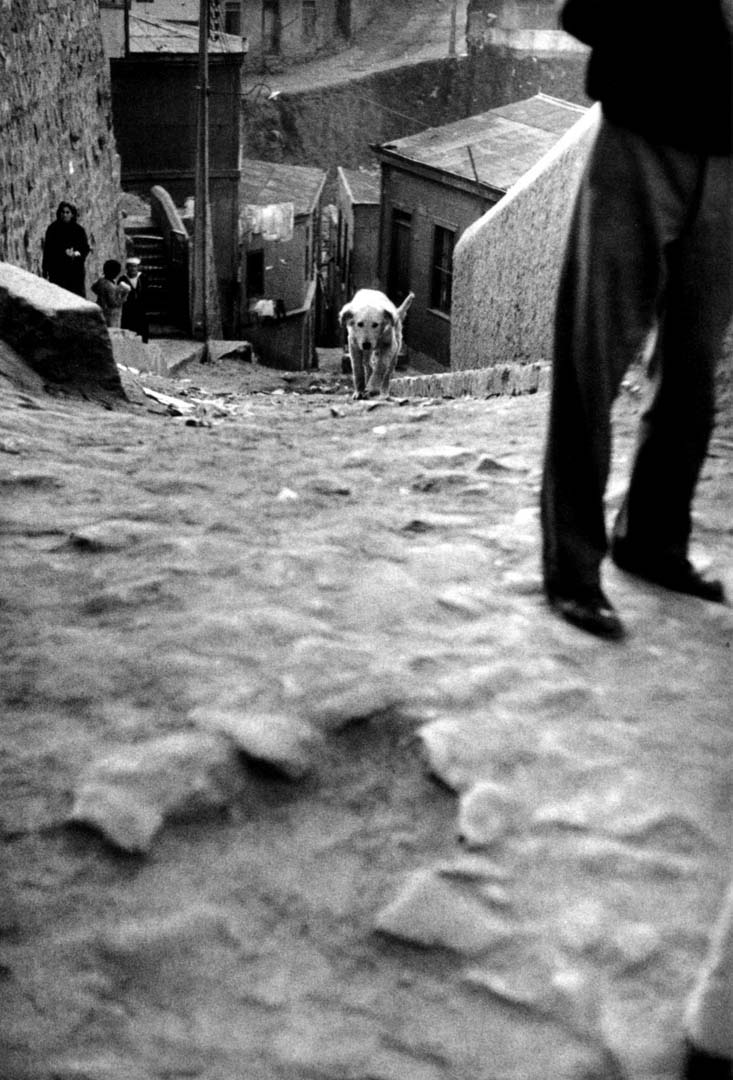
x=65, y=249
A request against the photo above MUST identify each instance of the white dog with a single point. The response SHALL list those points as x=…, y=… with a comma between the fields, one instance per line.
x=375, y=338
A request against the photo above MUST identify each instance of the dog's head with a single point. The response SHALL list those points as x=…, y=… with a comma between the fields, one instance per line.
x=367, y=325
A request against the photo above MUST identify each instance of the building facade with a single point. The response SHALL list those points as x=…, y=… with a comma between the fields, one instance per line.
x=155, y=109
x=435, y=185
x=277, y=32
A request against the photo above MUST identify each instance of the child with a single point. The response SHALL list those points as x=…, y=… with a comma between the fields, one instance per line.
x=134, y=315
x=110, y=294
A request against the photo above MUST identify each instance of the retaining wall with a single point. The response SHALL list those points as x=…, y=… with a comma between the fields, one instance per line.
x=502, y=380
x=56, y=139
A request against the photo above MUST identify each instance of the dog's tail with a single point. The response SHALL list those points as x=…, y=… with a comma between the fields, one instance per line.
x=404, y=306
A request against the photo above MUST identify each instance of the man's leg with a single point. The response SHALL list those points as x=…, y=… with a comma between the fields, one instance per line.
x=625, y=215
x=652, y=530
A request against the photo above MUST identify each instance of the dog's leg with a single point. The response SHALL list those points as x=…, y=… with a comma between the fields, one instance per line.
x=388, y=375
x=357, y=370
x=381, y=373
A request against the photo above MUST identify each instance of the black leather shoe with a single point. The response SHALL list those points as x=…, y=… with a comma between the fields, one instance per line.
x=698, y=1065
x=678, y=575
x=588, y=608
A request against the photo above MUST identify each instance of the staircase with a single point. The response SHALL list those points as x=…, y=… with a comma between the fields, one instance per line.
x=149, y=244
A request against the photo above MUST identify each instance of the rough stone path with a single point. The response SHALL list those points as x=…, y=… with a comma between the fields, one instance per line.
x=301, y=780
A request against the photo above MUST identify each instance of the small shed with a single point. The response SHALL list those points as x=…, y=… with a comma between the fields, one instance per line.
x=280, y=246
x=355, y=255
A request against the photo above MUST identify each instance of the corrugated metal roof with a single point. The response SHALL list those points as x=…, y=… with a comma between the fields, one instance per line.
x=267, y=182
x=504, y=142
x=365, y=187
x=149, y=35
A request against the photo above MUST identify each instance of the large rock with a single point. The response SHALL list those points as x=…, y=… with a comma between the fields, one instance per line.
x=430, y=912
x=286, y=744
x=61, y=336
x=128, y=795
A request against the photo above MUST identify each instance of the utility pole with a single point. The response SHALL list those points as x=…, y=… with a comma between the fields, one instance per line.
x=126, y=24
x=201, y=198
x=453, y=28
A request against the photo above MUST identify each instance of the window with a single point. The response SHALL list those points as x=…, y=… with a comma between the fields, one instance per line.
x=343, y=17
x=441, y=280
x=255, y=273
x=307, y=253
x=271, y=26
x=398, y=272
x=309, y=20
x=233, y=17
x=345, y=253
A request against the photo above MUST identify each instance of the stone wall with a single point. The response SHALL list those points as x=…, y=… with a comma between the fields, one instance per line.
x=500, y=73
x=507, y=264
x=56, y=139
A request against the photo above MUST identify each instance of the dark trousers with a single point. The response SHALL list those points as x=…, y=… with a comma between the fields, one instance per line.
x=648, y=266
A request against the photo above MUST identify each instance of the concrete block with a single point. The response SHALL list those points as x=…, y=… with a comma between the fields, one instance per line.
x=61, y=336
x=129, y=349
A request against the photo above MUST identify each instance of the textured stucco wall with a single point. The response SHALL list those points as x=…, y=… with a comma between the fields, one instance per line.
x=506, y=265
x=56, y=139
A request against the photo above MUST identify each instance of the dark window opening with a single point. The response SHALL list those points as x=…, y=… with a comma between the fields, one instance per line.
x=309, y=20
x=271, y=26
x=343, y=17
x=398, y=272
x=441, y=280
x=345, y=252
x=233, y=17
x=255, y=273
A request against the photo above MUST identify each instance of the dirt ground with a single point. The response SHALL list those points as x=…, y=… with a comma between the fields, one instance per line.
x=502, y=859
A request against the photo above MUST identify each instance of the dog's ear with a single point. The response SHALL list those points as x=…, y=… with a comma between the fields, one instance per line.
x=345, y=315
x=388, y=317
x=404, y=306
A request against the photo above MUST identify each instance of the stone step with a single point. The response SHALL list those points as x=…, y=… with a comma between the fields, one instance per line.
x=149, y=242
x=135, y=224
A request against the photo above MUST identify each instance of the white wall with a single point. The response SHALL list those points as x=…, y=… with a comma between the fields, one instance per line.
x=507, y=264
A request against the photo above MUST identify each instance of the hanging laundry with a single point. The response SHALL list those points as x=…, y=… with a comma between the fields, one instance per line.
x=274, y=221
x=278, y=221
